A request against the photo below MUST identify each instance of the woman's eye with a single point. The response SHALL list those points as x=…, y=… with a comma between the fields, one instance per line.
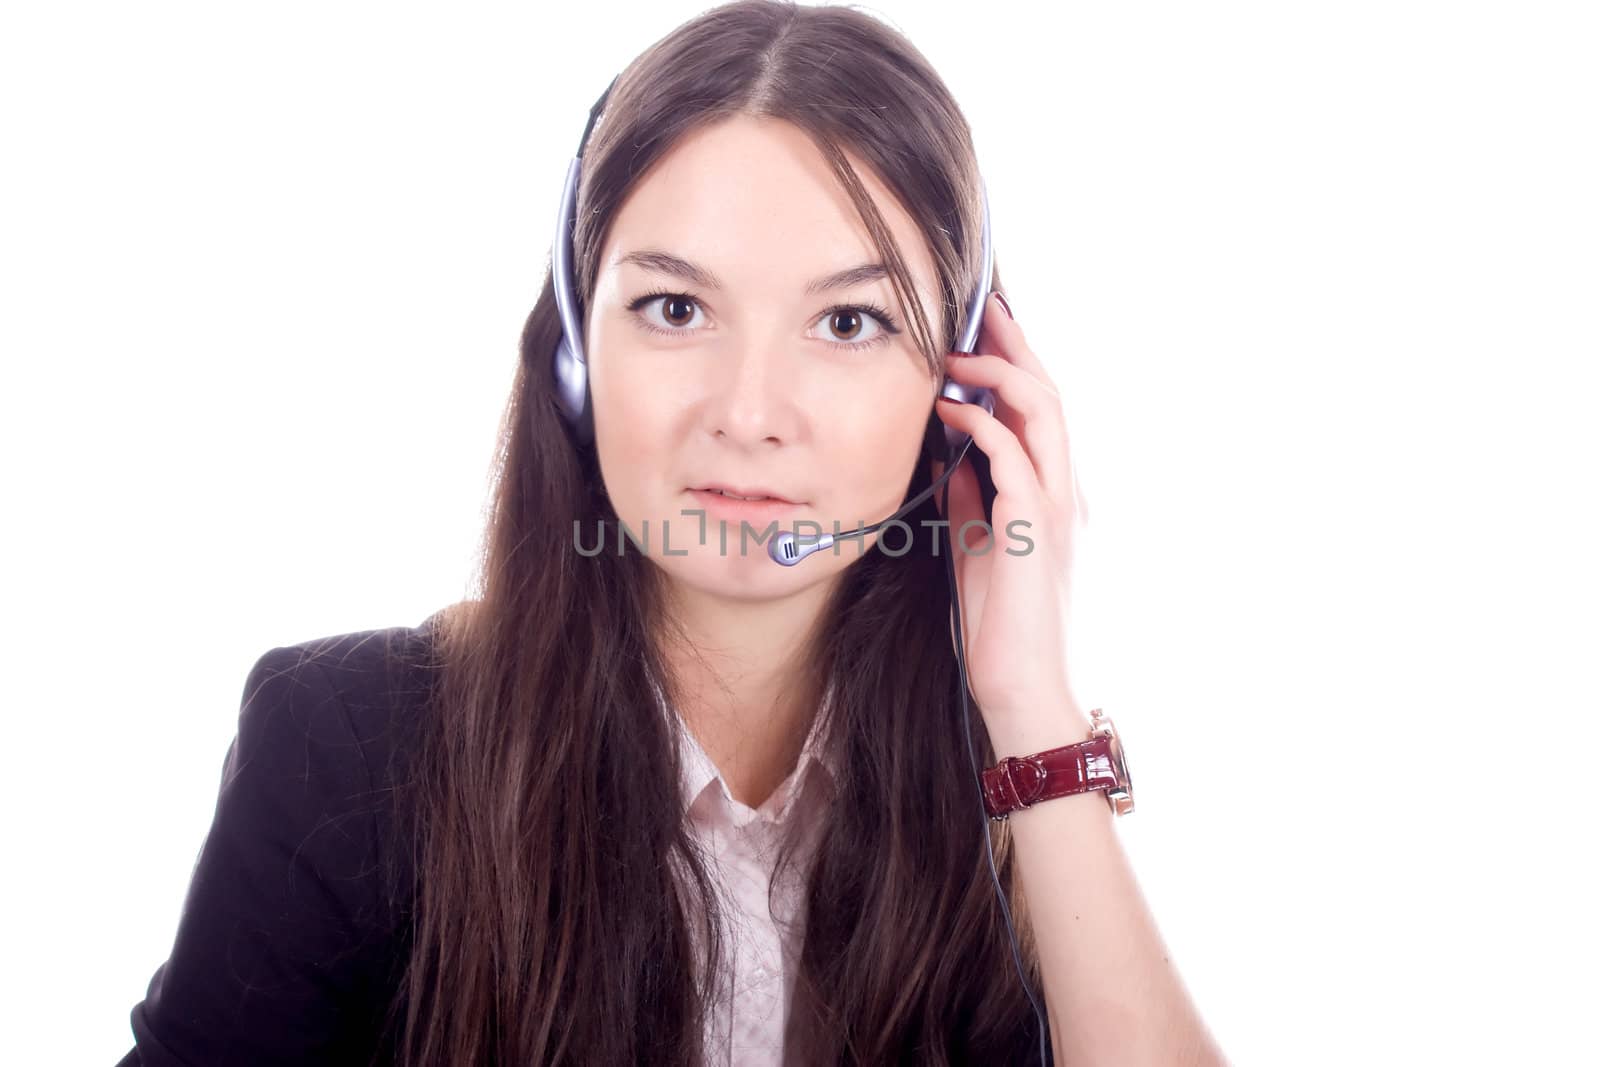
x=850, y=326
x=675, y=310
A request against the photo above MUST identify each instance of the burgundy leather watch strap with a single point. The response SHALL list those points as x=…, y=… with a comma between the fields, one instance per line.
x=1019, y=781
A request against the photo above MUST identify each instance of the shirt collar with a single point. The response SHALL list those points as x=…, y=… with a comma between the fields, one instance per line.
x=698, y=771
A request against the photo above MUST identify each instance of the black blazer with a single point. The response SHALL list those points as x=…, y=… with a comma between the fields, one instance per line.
x=289, y=947
x=293, y=936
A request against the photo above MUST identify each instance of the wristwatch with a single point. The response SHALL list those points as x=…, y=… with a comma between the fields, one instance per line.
x=1019, y=781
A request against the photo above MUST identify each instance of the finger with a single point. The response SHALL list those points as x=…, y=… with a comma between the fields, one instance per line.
x=1001, y=334
x=965, y=501
x=1042, y=426
x=1009, y=466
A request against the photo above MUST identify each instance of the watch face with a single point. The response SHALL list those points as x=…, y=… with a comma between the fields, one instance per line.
x=1121, y=794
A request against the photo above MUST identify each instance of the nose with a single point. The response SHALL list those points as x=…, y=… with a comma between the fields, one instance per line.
x=752, y=397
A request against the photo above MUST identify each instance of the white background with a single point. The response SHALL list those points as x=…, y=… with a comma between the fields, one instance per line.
x=1318, y=283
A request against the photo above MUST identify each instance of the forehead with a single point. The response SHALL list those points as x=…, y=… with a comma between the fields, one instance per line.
x=755, y=201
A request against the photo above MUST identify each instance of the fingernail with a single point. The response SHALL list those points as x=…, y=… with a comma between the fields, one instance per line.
x=998, y=295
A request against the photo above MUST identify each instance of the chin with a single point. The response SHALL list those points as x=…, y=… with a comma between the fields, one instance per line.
x=751, y=576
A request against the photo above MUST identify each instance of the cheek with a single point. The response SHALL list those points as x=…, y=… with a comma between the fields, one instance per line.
x=628, y=439
x=632, y=412
x=632, y=420
x=876, y=441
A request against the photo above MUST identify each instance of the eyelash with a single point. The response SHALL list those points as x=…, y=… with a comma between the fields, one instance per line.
x=889, y=327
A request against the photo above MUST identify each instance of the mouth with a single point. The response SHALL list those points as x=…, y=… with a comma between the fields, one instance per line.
x=747, y=494
x=727, y=505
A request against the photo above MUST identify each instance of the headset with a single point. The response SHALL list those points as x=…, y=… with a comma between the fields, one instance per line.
x=789, y=548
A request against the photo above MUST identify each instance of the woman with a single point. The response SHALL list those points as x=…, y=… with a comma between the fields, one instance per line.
x=650, y=798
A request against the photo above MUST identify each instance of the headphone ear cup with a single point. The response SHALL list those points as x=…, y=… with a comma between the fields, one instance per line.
x=962, y=394
x=572, y=390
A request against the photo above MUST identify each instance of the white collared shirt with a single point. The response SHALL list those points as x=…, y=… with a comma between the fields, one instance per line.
x=746, y=1021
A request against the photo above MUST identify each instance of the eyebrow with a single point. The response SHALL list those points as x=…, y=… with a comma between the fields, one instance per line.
x=660, y=262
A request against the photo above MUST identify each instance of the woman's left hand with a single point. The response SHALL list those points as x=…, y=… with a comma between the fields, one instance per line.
x=1015, y=598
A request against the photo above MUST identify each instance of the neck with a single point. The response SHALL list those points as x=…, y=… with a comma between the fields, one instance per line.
x=746, y=687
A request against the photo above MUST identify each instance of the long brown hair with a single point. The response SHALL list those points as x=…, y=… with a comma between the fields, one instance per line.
x=557, y=890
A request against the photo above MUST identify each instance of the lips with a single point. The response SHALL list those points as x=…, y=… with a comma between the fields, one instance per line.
x=746, y=492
